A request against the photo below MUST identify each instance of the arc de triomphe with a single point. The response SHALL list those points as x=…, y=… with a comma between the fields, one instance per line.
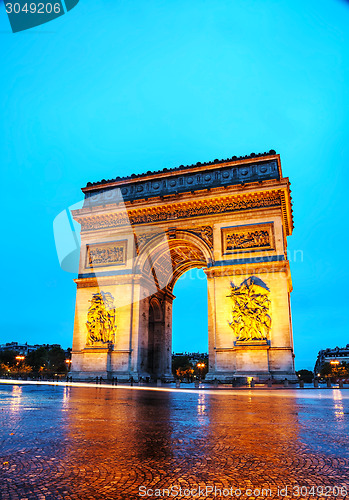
x=139, y=234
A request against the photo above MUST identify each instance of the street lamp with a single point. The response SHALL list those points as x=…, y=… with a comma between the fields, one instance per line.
x=19, y=359
x=201, y=366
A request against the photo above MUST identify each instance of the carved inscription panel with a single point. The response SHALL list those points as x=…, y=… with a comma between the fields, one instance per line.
x=251, y=238
x=106, y=254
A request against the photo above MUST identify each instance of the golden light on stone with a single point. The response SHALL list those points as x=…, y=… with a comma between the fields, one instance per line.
x=251, y=304
x=139, y=234
x=101, y=325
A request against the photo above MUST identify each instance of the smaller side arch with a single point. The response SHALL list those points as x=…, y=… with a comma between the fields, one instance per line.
x=156, y=309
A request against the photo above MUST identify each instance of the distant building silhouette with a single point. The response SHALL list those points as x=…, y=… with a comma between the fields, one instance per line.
x=340, y=354
x=25, y=349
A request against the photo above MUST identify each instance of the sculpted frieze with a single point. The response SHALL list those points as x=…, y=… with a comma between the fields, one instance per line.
x=180, y=211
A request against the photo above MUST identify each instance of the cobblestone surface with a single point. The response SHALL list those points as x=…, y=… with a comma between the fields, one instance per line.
x=95, y=443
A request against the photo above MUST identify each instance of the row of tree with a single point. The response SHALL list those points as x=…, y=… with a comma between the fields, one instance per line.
x=338, y=371
x=49, y=361
x=45, y=361
x=184, y=369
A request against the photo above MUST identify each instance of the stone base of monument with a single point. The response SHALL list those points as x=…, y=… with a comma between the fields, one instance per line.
x=252, y=359
x=242, y=378
x=280, y=377
x=245, y=344
x=89, y=376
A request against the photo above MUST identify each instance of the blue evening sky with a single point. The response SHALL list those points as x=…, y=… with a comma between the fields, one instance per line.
x=116, y=87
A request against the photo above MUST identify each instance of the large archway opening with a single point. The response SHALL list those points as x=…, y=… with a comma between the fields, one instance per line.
x=190, y=327
x=189, y=313
x=169, y=261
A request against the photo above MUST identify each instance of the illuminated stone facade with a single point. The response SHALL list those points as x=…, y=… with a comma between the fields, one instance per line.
x=140, y=234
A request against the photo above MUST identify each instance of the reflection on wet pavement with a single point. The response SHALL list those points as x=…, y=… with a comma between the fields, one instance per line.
x=97, y=443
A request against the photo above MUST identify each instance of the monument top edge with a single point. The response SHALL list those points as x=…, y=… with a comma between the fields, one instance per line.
x=90, y=186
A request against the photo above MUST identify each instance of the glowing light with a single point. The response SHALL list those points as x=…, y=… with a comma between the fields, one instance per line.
x=334, y=362
x=15, y=405
x=338, y=407
x=20, y=358
x=201, y=407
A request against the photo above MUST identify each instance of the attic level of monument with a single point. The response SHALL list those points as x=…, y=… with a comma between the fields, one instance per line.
x=173, y=194
x=187, y=179
x=182, y=167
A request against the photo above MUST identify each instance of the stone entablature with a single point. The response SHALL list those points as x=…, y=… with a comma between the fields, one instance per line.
x=198, y=178
x=199, y=207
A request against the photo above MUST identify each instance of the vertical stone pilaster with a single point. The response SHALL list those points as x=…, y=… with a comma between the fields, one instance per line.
x=167, y=346
x=211, y=310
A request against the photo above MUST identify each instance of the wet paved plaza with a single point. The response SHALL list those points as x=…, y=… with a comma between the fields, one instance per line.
x=117, y=443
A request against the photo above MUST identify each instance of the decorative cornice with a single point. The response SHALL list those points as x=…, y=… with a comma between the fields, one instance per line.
x=197, y=179
x=233, y=159
x=254, y=268
x=178, y=211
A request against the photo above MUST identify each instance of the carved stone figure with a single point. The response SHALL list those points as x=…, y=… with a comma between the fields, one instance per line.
x=101, y=324
x=251, y=304
x=204, y=232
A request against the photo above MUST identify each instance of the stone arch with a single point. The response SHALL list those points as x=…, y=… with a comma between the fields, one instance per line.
x=136, y=247
x=155, y=309
x=168, y=255
x=162, y=259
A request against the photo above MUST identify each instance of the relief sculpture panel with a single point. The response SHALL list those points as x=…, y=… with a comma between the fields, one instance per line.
x=106, y=254
x=251, y=238
x=251, y=310
x=101, y=323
